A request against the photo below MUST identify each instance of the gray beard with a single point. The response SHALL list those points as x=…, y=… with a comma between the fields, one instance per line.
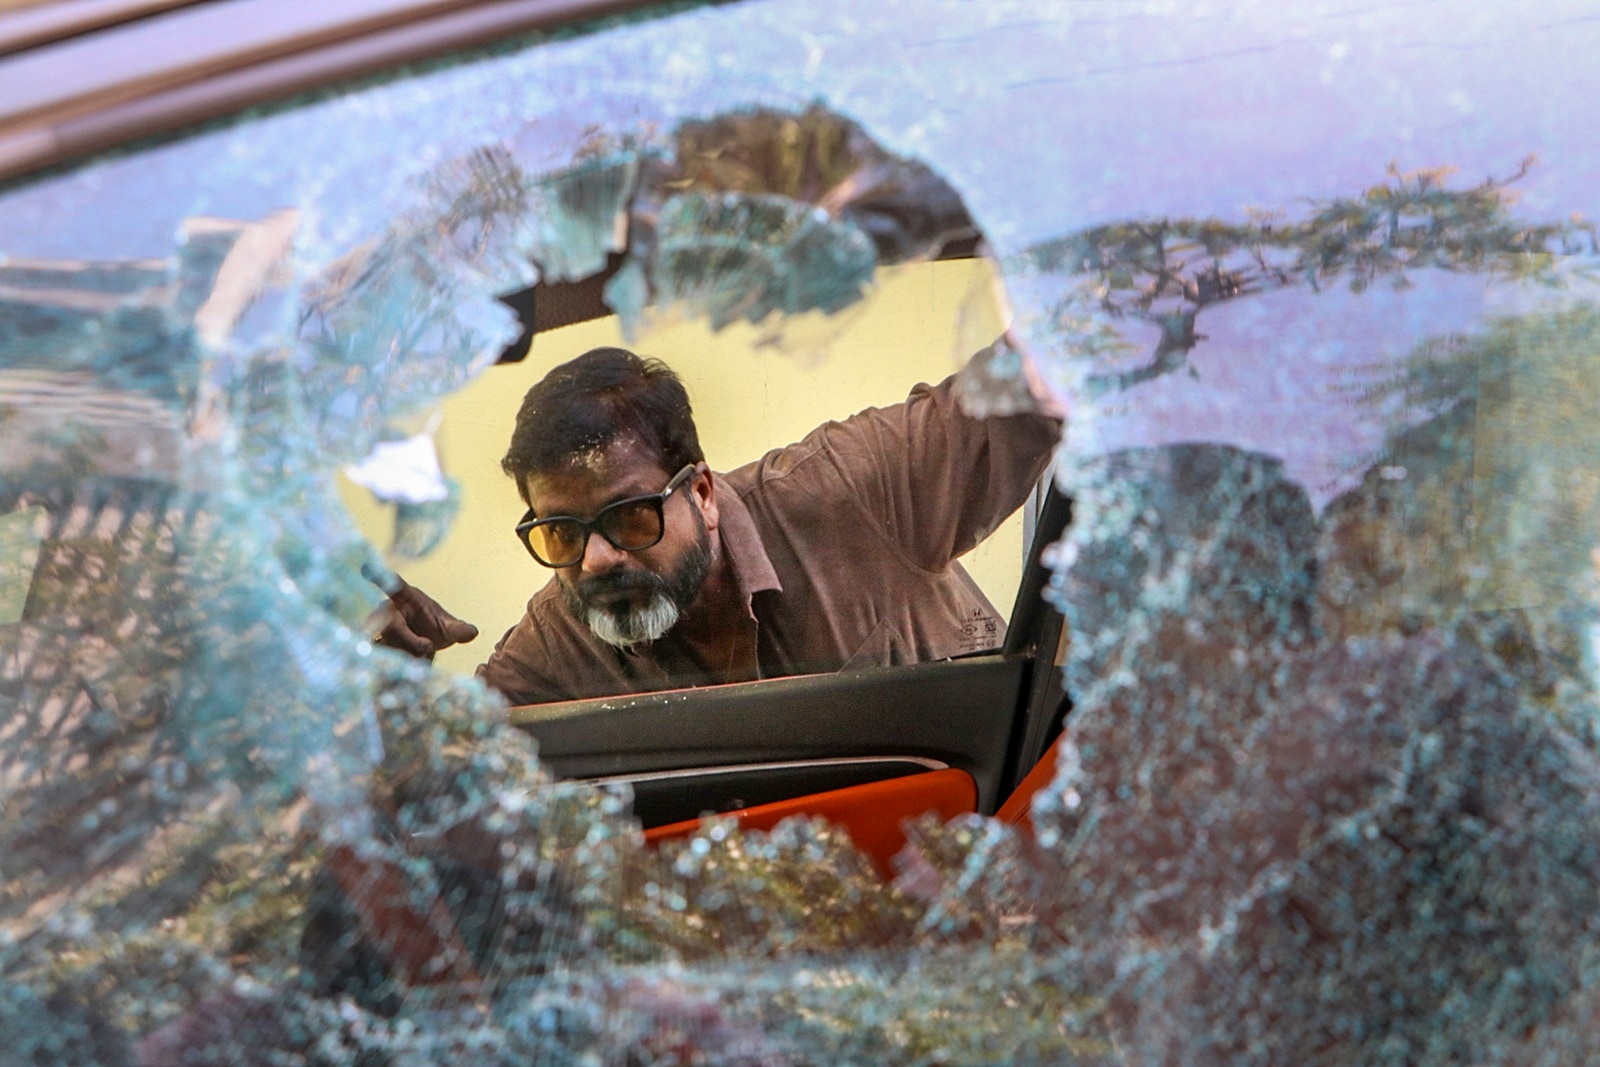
x=636, y=626
x=670, y=595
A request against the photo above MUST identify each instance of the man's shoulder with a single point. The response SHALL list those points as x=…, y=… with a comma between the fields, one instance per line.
x=827, y=453
x=788, y=481
x=777, y=464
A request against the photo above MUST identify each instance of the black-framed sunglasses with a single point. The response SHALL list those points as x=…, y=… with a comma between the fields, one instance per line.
x=631, y=525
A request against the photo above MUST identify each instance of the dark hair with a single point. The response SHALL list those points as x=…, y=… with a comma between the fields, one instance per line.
x=591, y=401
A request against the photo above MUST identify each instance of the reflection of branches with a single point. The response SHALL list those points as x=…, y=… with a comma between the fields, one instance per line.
x=1167, y=271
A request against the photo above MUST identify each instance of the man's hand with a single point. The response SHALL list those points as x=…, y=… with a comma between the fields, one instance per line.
x=1005, y=378
x=414, y=623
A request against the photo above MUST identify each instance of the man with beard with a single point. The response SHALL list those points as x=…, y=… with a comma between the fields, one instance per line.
x=835, y=552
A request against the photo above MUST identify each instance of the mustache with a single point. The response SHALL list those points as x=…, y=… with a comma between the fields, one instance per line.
x=615, y=584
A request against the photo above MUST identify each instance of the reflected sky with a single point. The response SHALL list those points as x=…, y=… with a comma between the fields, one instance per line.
x=1047, y=117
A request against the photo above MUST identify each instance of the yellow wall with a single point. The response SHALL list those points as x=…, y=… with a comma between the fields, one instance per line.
x=751, y=390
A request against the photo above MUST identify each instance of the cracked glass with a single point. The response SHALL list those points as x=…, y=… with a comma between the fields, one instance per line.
x=1313, y=283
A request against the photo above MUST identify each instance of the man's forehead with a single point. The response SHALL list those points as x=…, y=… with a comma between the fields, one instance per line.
x=622, y=466
x=598, y=458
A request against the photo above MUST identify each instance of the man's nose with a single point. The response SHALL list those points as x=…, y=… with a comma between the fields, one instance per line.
x=601, y=556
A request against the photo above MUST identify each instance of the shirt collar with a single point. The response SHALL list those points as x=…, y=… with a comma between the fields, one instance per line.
x=742, y=543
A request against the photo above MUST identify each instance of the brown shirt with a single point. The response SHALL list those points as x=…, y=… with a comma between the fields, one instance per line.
x=844, y=549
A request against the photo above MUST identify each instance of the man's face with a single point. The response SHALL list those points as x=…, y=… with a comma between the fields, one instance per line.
x=629, y=598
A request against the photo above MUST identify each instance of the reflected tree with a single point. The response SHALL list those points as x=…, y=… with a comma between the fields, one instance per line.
x=1167, y=272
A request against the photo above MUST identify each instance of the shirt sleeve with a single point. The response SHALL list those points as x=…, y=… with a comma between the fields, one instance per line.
x=934, y=480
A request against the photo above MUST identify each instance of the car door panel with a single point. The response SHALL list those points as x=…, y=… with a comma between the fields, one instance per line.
x=662, y=797
x=959, y=713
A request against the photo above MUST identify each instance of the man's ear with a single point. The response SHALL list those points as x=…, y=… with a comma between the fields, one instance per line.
x=704, y=491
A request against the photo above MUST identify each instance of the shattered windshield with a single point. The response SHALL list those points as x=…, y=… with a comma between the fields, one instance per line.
x=1312, y=282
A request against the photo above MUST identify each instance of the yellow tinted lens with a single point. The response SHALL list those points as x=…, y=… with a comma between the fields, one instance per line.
x=631, y=525
x=559, y=541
